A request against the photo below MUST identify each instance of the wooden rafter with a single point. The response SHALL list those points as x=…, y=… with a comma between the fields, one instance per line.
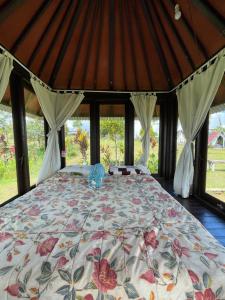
x=152, y=30
x=176, y=33
x=55, y=37
x=65, y=43
x=154, y=10
x=29, y=25
x=79, y=43
x=44, y=33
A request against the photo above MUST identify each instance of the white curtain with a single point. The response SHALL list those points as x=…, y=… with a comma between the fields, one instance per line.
x=6, y=66
x=144, y=106
x=194, y=101
x=57, y=108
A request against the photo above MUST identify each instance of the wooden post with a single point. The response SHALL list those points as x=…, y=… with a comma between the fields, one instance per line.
x=94, y=132
x=46, y=131
x=200, y=161
x=168, y=137
x=62, y=146
x=20, y=134
x=129, y=133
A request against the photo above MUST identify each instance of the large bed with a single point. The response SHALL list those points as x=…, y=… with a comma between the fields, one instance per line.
x=127, y=240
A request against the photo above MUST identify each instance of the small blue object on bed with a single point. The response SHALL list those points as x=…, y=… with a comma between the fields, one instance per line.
x=96, y=175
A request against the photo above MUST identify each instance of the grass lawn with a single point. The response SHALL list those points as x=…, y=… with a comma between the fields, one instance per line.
x=214, y=180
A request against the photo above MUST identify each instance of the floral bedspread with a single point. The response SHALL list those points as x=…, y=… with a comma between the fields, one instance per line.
x=128, y=240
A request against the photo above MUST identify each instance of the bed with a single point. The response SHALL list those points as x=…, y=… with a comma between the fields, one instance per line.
x=127, y=240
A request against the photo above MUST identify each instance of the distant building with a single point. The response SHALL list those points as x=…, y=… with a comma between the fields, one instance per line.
x=216, y=139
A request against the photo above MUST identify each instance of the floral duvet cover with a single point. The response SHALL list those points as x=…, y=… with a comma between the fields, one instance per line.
x=128, y=240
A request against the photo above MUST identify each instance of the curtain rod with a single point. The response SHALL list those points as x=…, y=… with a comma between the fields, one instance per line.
x=178, y=86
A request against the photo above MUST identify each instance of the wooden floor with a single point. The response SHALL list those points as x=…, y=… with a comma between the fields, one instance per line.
x=211, y=221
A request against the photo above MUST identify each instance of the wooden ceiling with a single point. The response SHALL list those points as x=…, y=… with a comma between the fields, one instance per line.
x=115, y=45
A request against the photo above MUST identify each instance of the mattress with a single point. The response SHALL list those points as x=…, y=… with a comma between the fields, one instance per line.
x=127, y=240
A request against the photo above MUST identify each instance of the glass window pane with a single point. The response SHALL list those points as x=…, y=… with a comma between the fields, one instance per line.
x=112, y=134
x=77, y=137
x=8, y=177
x=215, y=177
x=35, y=134
x=154, y=141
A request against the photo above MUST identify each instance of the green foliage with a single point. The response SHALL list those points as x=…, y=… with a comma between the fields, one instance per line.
x=113, y=129
x=81, y=138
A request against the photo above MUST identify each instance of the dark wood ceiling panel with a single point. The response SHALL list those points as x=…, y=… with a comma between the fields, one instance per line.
x=80, y=52
x=210, y=36
x=59, y=37
x=12, y=26
x=102, y=76
x=44, y=48
x=31, y=36
x=112, y=44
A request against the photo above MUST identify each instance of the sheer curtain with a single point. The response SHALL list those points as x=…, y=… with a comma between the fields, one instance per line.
x=194, y=101
x=6, y=66
x=144, y=106
x=57, y=108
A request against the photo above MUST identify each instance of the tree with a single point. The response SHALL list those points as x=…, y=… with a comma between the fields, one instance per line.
x=114, y=129
x=81, y=139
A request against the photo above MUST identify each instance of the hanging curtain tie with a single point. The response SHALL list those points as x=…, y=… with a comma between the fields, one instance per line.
x=53, y=131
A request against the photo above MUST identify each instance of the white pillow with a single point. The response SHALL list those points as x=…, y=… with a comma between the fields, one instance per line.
x=82, y=169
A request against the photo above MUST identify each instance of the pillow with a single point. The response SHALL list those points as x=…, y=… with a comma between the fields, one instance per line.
x=128, y=170
x=78, y=169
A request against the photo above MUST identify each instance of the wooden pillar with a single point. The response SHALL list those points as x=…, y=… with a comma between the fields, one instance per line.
x=129, y=133
x=62, y=146
x=46, y=131
x=200, y=160
x=20, y=134
x=168, y=136
x=94, y=132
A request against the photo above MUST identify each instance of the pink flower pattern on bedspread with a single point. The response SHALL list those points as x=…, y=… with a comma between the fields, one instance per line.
x=128, y=240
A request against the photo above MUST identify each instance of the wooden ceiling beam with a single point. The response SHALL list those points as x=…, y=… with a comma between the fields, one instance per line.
x=143, y=46
x=176, y=33
x=79, y=43
x=111, y=43
x=122, y=43
x=160, y=52
x=98, y=43
x=191, y=31
x=154, y=10
x=55, y=37
x=65, y=43
x=30, y=24
x=131, y=42
x=7, y=8
x=212, y=14
x=44, y=33
x=90, y=39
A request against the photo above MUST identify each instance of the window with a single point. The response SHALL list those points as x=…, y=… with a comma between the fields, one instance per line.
x=154, y=141
x=215, y=176
x=112, y=134
x=35, y=134
x=8, y=177
x=77, y=136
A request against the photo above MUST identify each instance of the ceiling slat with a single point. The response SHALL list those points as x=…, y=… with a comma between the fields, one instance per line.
x=171, y=48
x=29, y=25
x=55, y=37
x=65, y=43
x=79, y=43
x=152, y=30
x=45, y=32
